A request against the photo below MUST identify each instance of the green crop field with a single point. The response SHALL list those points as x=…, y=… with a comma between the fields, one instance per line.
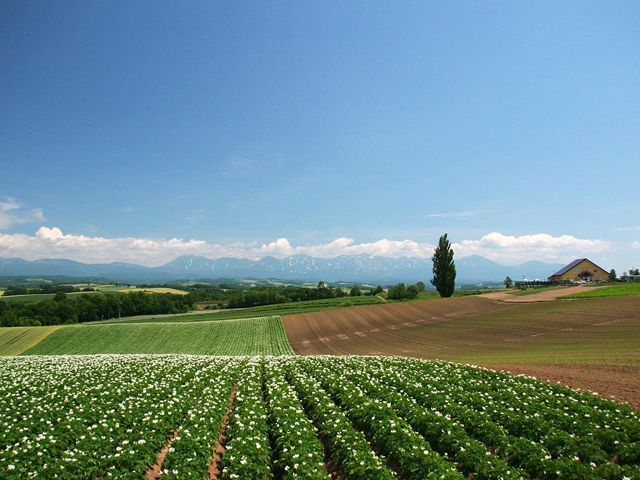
x=254, y=336
x=617, y=290
x=15, y=340
x=312, y=418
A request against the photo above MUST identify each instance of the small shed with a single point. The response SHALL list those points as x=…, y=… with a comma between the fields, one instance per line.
x=580, y=270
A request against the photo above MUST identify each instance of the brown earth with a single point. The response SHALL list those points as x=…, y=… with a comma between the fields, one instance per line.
x=576, y=341
x=214, y=468
x=544, y=296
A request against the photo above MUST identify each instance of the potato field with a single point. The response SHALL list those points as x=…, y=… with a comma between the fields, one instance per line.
x=286, y=417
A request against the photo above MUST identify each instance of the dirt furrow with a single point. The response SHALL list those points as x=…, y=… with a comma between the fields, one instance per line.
x=214, y=471
x=156, y=470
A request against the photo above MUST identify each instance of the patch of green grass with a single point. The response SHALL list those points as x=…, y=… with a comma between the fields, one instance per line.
x=255, y=336
x=617, y=290
x=15, y=340
x=531, y=291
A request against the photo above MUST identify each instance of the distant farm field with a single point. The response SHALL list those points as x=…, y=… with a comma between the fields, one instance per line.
x=312, y=418
x=173, y=291
x=255, y=336
x=37, y=297
x=290, y=308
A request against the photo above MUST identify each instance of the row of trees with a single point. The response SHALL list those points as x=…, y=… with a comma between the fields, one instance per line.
x=269, y=295
x=613, y=276
x=45, y=288
x=85, y=308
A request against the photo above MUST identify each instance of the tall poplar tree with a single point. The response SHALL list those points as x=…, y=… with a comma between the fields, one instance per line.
x=444, y=268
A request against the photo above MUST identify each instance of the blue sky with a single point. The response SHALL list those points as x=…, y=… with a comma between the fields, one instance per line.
x=236, y=124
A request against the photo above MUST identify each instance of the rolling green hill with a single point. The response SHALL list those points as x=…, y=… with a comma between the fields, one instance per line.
x=255, y=336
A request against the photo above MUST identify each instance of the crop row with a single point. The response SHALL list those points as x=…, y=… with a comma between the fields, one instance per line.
x=361, y=418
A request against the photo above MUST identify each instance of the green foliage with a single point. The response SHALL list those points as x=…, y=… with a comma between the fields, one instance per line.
x=400, y=292
x=355, y=291
x=444, y=269
x=376, y=291
x=67, y=309
x=421, y=287
x=508, y=282
x=397, y=292
x=613, y=276
x=44, y=288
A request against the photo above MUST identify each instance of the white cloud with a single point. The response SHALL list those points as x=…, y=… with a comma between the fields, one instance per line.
x=628, y=229
x=635, y=244
x=13, y=213
x=51, y=242
x=9, y=204
x=541, y=246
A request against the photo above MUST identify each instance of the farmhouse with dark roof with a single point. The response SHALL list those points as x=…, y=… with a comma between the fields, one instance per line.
x=580, y=270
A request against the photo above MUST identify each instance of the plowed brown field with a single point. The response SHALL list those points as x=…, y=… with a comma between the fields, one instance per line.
x=572, y=340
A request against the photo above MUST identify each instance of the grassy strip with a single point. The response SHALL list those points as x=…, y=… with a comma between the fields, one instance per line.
x=617, y=290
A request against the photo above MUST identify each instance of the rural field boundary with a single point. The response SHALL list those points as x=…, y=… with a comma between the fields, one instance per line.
x=544, y=296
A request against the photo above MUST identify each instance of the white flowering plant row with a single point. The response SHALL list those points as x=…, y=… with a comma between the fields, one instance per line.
x=287, y=417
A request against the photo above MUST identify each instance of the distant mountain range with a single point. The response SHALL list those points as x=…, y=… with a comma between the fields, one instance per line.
x=349, y=268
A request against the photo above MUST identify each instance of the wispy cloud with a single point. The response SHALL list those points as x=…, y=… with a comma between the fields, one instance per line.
x=635, y=245
x=9, y=204
x=53, y=243
x=194, y=216
x=628, y=229
x=13, y=213
x=462, y=214
x=129, y=209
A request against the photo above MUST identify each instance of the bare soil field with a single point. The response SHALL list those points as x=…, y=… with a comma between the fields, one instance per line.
x=576, y=342
x=544, y=296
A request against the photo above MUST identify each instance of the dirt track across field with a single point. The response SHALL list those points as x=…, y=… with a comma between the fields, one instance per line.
x=545, y=296
x=576, y=342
